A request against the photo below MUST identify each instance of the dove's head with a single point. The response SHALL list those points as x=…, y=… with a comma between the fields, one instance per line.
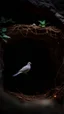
x=29, y=63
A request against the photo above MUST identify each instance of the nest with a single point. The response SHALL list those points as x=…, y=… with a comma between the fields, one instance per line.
x=56, y=93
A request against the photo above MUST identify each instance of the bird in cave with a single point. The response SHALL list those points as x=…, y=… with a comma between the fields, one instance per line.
x=24, y=69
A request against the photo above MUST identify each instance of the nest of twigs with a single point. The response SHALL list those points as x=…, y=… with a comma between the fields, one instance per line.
x=56, y=93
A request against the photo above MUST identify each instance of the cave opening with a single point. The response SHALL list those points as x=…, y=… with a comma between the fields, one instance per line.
x=41, y=76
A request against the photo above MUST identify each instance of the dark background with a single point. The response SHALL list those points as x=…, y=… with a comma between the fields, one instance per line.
x=19, y=13
x=42, y=74
x=30, y=11
x=16, y=56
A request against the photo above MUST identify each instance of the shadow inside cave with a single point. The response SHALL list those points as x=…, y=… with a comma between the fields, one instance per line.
x=41, y=76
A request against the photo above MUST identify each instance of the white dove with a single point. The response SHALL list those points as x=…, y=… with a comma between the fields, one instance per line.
x=24, y=69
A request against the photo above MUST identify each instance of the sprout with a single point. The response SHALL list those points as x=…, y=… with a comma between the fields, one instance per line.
x=42, y=23
x=3, y=35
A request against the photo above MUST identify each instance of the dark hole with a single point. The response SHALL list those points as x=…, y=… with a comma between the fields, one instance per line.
x=41, y=76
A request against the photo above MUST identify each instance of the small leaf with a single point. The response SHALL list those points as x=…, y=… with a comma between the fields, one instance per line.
x=5, y=36
x=42, y=22
x=4, y=29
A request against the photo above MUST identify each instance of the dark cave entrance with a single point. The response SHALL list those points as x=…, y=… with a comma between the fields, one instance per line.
x=42, y=73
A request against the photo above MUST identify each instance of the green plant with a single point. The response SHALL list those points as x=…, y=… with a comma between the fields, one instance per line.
x=3, y=30
x=3, y=34
x=42, y=23
x=4, y=20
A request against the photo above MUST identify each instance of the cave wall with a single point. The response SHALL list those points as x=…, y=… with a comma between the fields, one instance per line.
x=43, y=50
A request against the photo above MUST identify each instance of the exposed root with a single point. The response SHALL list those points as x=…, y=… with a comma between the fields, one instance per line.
x=24, y=30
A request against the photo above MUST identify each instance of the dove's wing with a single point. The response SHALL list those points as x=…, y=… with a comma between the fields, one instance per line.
x=25, y=69
x=16, y=74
